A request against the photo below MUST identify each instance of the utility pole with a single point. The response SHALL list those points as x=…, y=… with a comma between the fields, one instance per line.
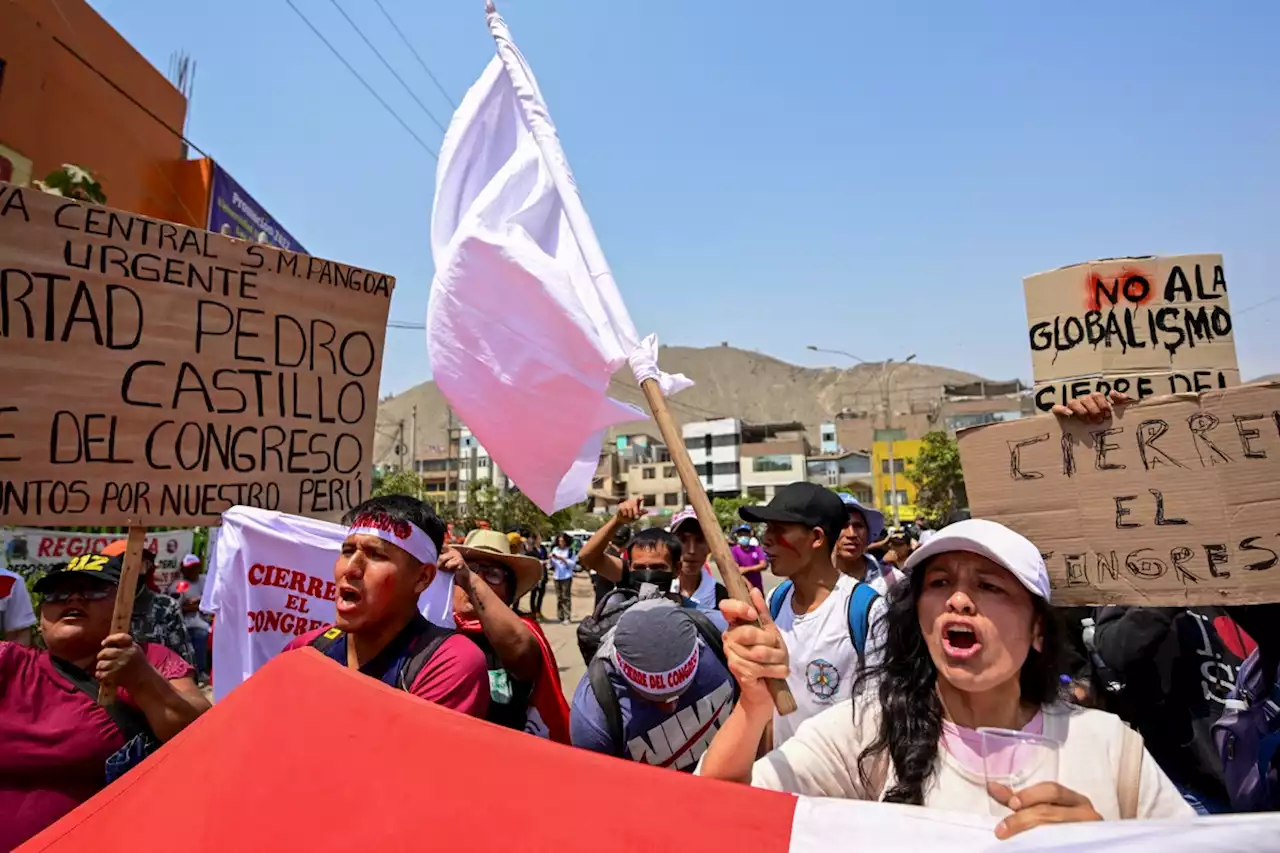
x=400, y=444
x=413, y=451
x=887, y=369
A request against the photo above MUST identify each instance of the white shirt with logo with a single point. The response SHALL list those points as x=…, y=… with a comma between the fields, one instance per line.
x=824, y=662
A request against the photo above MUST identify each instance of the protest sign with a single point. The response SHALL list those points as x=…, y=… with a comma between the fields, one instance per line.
x=1175, y=501
x=271, y=579
x=31, y=552
x=1143, y=326
x=156, y=374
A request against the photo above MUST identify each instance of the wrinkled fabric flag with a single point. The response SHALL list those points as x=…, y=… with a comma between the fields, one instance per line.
x=524, y=339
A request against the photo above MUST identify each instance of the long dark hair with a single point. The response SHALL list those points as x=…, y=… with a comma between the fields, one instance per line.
x=568, y=541
x=910, y=709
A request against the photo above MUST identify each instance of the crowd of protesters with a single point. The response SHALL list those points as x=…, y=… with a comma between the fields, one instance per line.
x=898, y=647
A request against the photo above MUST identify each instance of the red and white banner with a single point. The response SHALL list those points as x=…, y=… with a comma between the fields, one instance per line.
x=271, y=579
x=300, y=732
x=30, y=551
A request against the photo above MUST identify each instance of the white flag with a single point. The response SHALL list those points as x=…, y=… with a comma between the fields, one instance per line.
x=525, y=325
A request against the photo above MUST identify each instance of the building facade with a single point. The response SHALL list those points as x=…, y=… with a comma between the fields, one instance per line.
x=716, y=449
x=895, y=495
x=846, y=472
x=475, y=466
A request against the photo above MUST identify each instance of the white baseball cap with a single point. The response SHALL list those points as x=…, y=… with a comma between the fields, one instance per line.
x=994, y=541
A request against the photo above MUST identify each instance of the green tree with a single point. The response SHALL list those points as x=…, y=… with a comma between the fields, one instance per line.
x=938, y=477
x=399, y=483
x=726, y=510
x=72, y=181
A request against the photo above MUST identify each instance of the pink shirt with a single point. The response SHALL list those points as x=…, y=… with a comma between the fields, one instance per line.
x=965, y=745
x=54, y=739
x=456, y=676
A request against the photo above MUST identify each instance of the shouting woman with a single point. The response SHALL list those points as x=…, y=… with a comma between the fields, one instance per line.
x=971, y=642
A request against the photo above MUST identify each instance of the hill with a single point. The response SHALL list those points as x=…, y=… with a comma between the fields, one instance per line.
x=730, y=382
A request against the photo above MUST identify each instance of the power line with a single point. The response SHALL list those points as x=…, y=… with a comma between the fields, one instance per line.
x=87, y=64
x=1257, y=305
x=363, y=82
x=130, y=98
x=404, y=39
x=383, y=59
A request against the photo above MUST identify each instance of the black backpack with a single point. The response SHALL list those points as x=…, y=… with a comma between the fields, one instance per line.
x=421, y=650
x=607, y=697
x=607, y=611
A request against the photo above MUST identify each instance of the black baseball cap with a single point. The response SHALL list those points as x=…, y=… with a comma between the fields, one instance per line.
x=802, y=503
x=96, y=566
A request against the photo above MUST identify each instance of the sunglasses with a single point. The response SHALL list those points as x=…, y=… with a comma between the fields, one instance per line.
x=492, y=574
x=94, y=593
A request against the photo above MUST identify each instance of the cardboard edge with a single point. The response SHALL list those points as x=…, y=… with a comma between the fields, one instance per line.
x=1193, y=396
x=1094, y=261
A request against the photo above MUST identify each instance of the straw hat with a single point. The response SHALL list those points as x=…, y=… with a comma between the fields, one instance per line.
x=495, y=547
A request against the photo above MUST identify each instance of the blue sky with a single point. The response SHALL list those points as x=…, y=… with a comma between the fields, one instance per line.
x=869, y=177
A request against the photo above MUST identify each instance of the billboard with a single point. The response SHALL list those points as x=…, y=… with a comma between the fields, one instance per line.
x=235, y=213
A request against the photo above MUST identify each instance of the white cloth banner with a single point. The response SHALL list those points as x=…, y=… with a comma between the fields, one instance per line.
x=31, y=550
x=830, y=824
x=525, y=325
x=271, y=579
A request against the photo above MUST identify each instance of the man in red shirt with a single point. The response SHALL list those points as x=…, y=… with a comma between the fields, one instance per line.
x=388, y=559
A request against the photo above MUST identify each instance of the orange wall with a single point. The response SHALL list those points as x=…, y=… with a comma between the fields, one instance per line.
x=54, y=110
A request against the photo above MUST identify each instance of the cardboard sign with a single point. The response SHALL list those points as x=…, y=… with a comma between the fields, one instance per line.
x=157, y=374
x=1175, y=501
x=1144, y=326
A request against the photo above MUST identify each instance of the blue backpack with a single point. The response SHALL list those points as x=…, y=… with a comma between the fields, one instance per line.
x=860, y=603
x=1248, y=739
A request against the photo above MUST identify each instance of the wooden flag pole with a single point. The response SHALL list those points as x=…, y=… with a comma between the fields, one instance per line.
x=734, y=582
x=122, y=616
x=538, y=119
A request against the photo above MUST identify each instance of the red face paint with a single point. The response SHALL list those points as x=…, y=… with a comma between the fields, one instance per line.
x=785, y=544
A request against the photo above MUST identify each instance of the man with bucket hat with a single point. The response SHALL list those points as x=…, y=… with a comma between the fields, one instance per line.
x=524, y=679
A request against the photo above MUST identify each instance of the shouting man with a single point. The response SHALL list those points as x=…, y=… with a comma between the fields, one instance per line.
x=388, y=559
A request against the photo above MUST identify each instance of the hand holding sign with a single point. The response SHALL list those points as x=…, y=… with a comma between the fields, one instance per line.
x=121, y=663
x=1093, y=408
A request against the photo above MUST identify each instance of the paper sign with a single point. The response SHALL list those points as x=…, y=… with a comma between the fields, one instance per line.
x=1110, y=323
x=1175, y=501
x=157, y=374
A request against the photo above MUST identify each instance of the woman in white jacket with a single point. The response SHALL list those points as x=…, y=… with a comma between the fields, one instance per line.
x=971, y=641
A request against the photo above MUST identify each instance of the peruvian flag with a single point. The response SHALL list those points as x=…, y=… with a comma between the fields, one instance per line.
x=310, y=756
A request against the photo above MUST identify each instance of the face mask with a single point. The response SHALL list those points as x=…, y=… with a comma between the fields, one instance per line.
x=658, y=577
x=744, y=541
